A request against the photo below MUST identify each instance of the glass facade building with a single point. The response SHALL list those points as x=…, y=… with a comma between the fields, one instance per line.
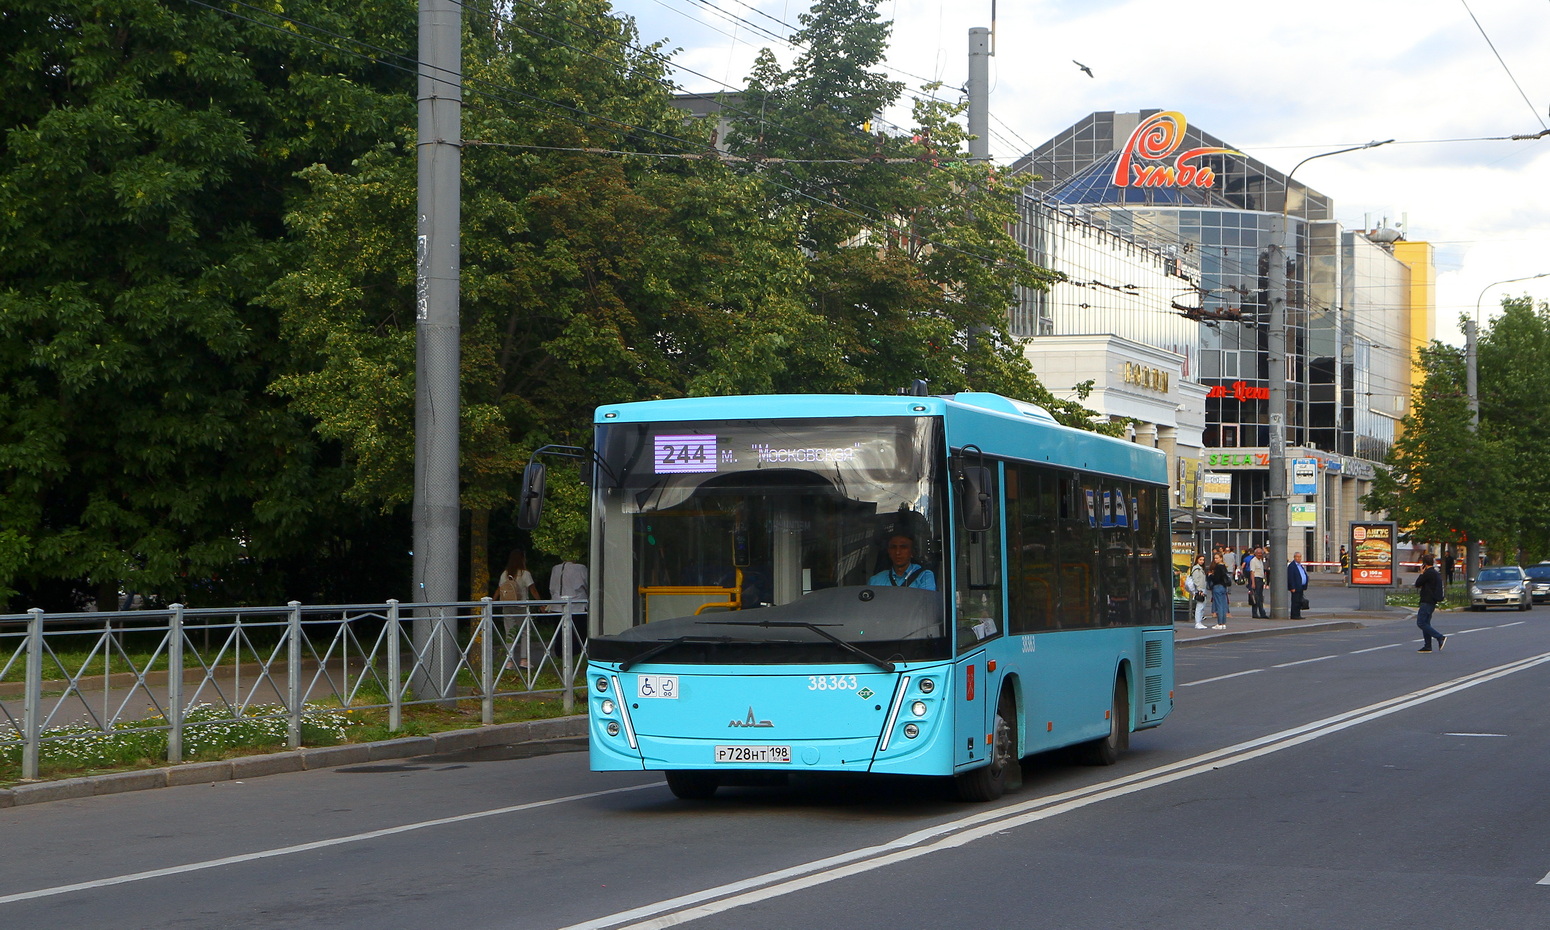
x=1172, y=190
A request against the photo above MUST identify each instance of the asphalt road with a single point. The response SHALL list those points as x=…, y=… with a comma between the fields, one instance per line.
x=1328, y=780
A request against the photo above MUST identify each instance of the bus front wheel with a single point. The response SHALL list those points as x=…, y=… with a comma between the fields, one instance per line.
x=989, y=782
x=1106, y=749
x=692, y=785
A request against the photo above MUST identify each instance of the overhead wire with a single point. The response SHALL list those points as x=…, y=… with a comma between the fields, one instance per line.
x=474, y=85
x=403, y=62
x=1503, y=62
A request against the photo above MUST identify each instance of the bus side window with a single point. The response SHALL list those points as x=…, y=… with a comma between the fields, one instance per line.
x=1031, y=519
x=979, y=578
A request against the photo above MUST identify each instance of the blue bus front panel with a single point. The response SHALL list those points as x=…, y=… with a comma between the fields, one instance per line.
x=848, y=719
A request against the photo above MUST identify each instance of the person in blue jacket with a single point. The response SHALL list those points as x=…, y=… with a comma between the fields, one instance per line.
x=904, y=573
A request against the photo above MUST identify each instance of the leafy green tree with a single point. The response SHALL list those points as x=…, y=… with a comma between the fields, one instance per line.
x=147, y=155
x=1445, y=481
x=1514, y=384
x=912, y=265
x=598, y=264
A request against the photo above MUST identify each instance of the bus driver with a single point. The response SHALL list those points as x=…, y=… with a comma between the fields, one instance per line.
x=904, y=573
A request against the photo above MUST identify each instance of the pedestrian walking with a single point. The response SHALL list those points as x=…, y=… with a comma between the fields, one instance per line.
x=1345, y=560
x=1432, y=593
x=1255, y=575
x=1220, y=581
x=1198, y=585
x=1297, y=584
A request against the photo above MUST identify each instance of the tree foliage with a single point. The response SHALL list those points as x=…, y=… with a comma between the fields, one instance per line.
x=911, y=265
x=148, y=151
x=1514, y=412
x=1445, y=481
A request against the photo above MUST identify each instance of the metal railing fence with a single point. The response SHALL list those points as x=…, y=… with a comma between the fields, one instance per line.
x=94, y=671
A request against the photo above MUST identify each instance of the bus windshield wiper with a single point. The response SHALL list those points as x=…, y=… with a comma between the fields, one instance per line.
x=883, y=664
x=664, y=646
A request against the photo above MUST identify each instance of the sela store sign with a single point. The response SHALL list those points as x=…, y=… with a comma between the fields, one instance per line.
x=1148, y=159
x=1238, y=460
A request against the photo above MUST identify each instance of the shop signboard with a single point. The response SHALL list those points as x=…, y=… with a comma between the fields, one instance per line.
x=1144, y=161
x=1373, y=551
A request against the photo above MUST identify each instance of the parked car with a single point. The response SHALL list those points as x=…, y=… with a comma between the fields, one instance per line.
x=1500, y=586
x=1539, y=581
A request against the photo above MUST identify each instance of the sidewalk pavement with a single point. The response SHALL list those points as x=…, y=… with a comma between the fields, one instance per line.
x=1241, y=626
x=559, y=733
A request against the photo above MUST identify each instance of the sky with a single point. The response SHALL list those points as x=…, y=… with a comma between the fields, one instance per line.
x=1278, y=81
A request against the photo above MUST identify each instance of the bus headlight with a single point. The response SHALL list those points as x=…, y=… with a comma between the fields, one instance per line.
x=612, y=728
x=601, y=685
x=911, y=730
x=927, y=686
x=918, y=708
x=607, y=706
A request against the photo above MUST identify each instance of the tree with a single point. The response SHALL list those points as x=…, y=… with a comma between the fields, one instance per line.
x=911, y=262
x=603, y=259
x=1514, y=389
x=149, y=149
x=1444, y=481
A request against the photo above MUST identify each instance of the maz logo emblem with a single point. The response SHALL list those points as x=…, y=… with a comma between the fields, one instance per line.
x=750, y=721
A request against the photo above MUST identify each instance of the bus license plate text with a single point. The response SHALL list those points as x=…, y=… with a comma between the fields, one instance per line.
x=780, y=754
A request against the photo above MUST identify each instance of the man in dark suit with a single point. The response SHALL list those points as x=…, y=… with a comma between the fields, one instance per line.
x=1297, y=583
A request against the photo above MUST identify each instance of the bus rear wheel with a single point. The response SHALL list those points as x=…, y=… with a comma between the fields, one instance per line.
x=693, y=785
x=1106, y=749
x=989, y=782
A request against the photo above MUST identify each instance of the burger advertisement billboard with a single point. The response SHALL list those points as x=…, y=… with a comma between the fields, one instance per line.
x=1373, y=553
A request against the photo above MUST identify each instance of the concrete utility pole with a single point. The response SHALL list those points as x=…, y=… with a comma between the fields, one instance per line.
x=437, y=338
x=1276, y=501
x=979, y=94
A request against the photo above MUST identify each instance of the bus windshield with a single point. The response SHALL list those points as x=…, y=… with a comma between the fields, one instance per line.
x=731, y=536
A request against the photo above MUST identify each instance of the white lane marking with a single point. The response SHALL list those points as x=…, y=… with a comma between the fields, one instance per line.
x=686, y=908
x=307, y=847
x=1303, y=662
x=1503, y=735
x=1375, y=649
x=1207, y=681
x=1355, y=652
x=1544, y=881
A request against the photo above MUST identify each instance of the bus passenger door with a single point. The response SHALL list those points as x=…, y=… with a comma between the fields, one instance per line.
x=977, y=601
x=970, y=718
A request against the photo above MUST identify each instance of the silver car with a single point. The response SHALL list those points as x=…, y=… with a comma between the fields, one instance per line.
x=1500, y=586
x=1539, y=581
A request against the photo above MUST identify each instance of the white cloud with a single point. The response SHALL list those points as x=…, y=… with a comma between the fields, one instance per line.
x=1279, y=81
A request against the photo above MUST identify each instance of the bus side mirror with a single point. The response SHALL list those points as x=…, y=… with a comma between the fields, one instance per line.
x=974, y=498
x=530, y=505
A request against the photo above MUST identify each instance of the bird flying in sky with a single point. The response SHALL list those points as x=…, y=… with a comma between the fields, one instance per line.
x=1086, y=69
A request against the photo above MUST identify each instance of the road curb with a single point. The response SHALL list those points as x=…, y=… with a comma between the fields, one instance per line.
x=1324, y=626
x=296, y=760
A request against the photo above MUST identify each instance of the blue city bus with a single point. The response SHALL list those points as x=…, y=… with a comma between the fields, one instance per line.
x=883, y=584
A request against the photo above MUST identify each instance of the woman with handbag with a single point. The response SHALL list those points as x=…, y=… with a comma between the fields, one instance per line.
x=1197, y=585
x=1220, y=581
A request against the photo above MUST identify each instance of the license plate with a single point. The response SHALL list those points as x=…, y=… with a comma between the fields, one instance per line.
x=780, y=754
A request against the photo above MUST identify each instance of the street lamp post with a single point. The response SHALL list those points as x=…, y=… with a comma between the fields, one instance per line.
x=1276, y=502
x=1472, y=386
